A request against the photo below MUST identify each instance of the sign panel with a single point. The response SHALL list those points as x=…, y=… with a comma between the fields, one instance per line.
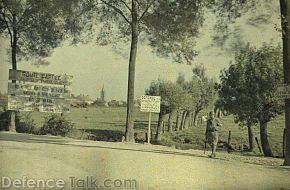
x=36, y=77
x=283, y=91
x=22, y=103
x=42, y=91
x=150, y=103
x=49, y=97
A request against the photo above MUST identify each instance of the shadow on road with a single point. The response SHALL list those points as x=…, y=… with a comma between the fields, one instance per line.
x=24, y=138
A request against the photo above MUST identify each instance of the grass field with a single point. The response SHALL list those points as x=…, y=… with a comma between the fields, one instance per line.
x=111, y=122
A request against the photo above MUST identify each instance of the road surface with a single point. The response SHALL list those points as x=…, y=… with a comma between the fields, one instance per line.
x=77, y=163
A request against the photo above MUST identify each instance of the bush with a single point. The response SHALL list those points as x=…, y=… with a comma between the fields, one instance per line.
x=26, y=125
x=5, y=119
x=166, y=140
x=56, y=125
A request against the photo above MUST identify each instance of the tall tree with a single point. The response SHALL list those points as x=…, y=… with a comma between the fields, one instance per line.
x=248, y=88
x=231, y=9
x=170, y=26
x=34, y=28
x=285, y=25
x=205, y=93
x=172, y=98
x=200, y=95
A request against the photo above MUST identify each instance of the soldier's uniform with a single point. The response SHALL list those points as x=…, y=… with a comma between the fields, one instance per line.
x=211, y=133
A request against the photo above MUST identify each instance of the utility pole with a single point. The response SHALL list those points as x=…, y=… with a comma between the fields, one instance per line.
x=285, y=25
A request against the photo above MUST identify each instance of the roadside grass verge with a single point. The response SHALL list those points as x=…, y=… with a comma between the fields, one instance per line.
x=108, y=124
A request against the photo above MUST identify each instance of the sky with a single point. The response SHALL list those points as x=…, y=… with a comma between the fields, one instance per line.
x=95, y=66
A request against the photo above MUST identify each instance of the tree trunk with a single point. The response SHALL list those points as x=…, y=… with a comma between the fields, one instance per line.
x=129, y=134
x=182, y=120
x=163, y=124
x=186, y=121
x=13, y=43
x=177, y=121
x=285, y=23
x=264, y=140
x=219, y=113
x=194, y=118
x=251, y=138
x=170, y=122
x=191, y=120
x=159, y=126
x=215, y=111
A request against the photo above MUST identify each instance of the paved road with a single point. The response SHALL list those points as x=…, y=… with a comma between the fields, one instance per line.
x=120, y=164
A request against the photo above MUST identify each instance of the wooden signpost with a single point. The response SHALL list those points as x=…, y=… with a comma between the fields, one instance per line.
x=150, y=104
x=43, y=92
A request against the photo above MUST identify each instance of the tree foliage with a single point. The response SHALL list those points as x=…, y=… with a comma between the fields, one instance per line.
x=228, y=12
x=205, y=85
x=248, y=88
x=169, y=27
x=34, y=27
x=172, y=95
x=184, y=97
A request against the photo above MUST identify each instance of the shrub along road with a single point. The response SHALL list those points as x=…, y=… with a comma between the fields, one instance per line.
x=114, y=165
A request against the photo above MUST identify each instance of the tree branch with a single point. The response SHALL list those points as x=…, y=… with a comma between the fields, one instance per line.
x=146, y=9
x=117, y=10
x=23, y=14
x=126, y=5
x=7, y=17
x=8, y=28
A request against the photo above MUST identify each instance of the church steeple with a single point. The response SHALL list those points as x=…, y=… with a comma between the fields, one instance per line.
x=103, y=94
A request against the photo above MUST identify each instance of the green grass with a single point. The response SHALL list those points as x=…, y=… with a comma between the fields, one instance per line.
x=196, y=135
x=112, y=120
x=102, y=118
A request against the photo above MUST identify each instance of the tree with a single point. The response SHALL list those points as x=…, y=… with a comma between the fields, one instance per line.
x=226, y=9
x=34, y=28
x=174, y=36
x=187, y=103
x=200, y=94
x=248, y=88
x=203, y=91
x=172, y=97
x=285, y=25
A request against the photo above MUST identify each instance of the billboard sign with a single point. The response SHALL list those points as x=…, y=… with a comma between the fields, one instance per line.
x=37, y=77
x=43, y=92
x=22, y=103
x=36, y=90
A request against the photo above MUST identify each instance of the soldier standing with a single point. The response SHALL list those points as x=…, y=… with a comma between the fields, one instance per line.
x=211, y=134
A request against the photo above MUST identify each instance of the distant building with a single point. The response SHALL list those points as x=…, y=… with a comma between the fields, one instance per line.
x=113, y=103
x=86, y=98
x=81, y=100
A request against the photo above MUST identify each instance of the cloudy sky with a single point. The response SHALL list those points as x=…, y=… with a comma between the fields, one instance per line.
x=93, y=66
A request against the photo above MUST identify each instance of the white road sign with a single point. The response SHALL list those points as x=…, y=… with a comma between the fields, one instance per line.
x=150, y=104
